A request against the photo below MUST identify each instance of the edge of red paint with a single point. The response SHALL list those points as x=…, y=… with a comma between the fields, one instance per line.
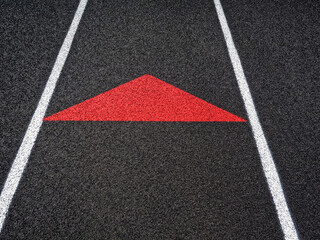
x=146, y=98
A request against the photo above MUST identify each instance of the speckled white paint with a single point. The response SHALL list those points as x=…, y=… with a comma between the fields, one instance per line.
x=31, y=134
x=269, y=168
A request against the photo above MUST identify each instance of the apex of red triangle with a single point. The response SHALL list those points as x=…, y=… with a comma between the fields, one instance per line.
x=146, y=98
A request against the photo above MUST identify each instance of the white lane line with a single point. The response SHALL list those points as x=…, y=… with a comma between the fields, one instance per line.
x=269, y=168
x=31, y=134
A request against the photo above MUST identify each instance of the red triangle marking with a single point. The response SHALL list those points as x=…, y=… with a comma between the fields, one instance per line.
x=145, y=99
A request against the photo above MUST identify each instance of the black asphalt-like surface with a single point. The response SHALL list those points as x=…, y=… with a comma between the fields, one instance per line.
x=148, y=180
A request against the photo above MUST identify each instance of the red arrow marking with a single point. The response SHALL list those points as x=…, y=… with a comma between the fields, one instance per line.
x=145, y=99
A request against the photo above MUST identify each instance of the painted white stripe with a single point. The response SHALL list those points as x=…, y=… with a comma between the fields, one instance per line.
x=269, y=168
x=31, y=134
